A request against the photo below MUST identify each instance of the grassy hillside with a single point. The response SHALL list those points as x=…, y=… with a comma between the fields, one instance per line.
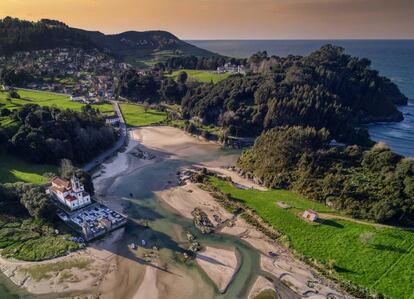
x=131, y=46
x=14, y=169
x=200, y=75
x=374, y=257
x=143, y=48
x=135, y=116
x=49, y=99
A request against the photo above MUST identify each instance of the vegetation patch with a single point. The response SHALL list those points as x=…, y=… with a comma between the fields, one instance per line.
x=202, y=76
x=379, y=259
x=45, y=271
x=138, y=115
x=32, y=240
x=266, y=294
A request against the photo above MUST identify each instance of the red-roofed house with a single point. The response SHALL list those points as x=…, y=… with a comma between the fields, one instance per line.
x=70, y=193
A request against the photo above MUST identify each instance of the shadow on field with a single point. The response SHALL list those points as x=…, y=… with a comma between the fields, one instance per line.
x=343, y=270
x=389, y=248
x=331, y=223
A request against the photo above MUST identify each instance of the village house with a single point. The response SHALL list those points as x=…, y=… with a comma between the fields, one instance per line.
x=70, y=193
x=310, y=215
x=230, y=68
x=112, y=120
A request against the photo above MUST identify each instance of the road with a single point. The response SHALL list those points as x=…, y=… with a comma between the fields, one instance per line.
x=118, y=145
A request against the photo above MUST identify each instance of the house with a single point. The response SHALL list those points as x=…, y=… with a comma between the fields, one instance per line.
x=232, y=69
x=70, y=193
x=112, y=120
x=310, y=215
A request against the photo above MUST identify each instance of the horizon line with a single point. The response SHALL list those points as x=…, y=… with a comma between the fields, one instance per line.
x=299, y=39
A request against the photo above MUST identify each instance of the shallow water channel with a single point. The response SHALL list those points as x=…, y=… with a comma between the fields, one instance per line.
x=167, y=230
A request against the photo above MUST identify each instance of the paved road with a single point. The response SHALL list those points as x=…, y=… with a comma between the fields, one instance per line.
x=118, y=145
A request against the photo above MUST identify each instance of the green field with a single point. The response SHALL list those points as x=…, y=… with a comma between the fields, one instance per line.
x=200, y=75
x=46, y=99
x=13, y=169
x=380, y=259
x=135, y=116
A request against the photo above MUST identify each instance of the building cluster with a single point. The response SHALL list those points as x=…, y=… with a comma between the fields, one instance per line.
x=231, y=69
x=76, y=208
x=88, y=75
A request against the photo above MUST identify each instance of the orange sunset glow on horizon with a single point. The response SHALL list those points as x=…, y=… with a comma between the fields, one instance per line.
x=229, y=19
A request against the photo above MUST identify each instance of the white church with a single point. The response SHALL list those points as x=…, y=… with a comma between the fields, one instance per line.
x=70, y=193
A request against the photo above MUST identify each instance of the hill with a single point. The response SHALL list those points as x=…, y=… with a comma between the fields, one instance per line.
x=132, y=46
x=326, y=89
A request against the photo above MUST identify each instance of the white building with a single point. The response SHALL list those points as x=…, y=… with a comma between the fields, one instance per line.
x=232, y=69
x=310, y=215
x=70, y=193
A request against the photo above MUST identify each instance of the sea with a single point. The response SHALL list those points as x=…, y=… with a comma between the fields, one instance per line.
x=392, y=58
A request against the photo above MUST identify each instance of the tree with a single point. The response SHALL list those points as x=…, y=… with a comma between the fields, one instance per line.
x=5, y=112
x=67, y=170
x=35, y=200
x=146, y=106
x=47, y=135
x=14, y=94
x=182, y=77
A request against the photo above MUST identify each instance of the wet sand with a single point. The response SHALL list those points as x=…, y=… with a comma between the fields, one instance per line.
x=219, y=264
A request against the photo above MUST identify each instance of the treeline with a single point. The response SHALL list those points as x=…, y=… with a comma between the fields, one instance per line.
x=48, y=135
x=327, y=89
x=16, y=77
x=198, y=62
x=18, y=35
x=152, y=87
x=373, y=183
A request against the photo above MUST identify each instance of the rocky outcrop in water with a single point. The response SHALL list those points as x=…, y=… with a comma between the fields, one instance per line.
x=202, y=222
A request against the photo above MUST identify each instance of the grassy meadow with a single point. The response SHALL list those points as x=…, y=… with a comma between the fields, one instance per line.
x=135, y=115
x=14, y=169
x=380, y=259
x=200, y=75
x=49, y=99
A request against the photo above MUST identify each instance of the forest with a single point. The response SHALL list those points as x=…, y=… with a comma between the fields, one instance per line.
x=327, y=89
x=48, y=135
x=368, y=183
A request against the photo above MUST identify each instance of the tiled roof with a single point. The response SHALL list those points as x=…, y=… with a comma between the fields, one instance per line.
x=61, y=182
x=70, y=198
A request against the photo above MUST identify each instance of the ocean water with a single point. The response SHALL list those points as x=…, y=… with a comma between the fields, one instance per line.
x=392, y=58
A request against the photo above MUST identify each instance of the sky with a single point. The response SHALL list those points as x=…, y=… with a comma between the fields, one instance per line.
x=230, y=19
